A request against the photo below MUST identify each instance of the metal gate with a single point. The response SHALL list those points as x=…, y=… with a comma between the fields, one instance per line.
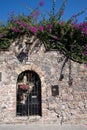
x=29, y=94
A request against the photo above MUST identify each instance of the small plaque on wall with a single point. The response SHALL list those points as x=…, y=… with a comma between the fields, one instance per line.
x=55, y=90
x=0, y=76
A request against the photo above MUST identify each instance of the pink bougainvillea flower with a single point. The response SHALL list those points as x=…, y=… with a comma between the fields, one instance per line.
x=56, y=37
x=72, y=46
x=27, y=26
x=85, y=52
x=1, y=35
x=85, y=32
x=41, y=3
x=86, y=65
x=33, y=29
x=36, y=13
x=49, y=26
x=86, y=47
x=16, y=21
x=41, y=28
x=15, y=29
x=24, y=87
x=62, y=23
x=21, y=24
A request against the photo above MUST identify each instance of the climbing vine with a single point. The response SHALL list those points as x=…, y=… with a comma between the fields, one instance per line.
x=69, y=37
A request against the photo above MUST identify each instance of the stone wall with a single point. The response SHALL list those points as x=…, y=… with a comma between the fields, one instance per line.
x=70, y=106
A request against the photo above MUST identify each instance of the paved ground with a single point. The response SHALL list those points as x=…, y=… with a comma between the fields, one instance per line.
x=43, y=127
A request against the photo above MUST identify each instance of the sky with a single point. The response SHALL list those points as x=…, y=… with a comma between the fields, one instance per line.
x=24, y=6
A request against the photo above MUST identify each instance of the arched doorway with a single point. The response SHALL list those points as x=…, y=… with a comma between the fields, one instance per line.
x=28, y=94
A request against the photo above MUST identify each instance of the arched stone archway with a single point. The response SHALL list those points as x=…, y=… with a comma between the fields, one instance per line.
x=41, y=75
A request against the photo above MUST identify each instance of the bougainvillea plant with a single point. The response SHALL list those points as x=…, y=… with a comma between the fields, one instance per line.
x=69, y=37
x=23, y=86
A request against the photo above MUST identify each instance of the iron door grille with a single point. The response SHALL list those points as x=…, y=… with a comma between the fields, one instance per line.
x=32, y=105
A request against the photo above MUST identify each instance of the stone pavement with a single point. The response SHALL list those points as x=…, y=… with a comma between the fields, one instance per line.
x=43, y=127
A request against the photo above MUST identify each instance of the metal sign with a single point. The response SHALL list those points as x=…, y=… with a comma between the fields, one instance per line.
x=55, y=90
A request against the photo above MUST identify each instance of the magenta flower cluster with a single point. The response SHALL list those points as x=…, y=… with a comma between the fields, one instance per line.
x=1, y=35
x=41, y=28
x=15, y=29
x=22, y=25
x=72, y=46
x=33, y=29
x=85, y=52
x=82, y=27
x=41, y=3
x=56, y=37
x=35, y=14
x=19, y=25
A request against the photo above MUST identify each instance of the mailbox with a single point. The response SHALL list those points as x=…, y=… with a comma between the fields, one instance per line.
x=55, y=90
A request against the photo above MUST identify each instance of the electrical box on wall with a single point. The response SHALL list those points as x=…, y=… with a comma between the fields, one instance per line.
x=55, y=90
